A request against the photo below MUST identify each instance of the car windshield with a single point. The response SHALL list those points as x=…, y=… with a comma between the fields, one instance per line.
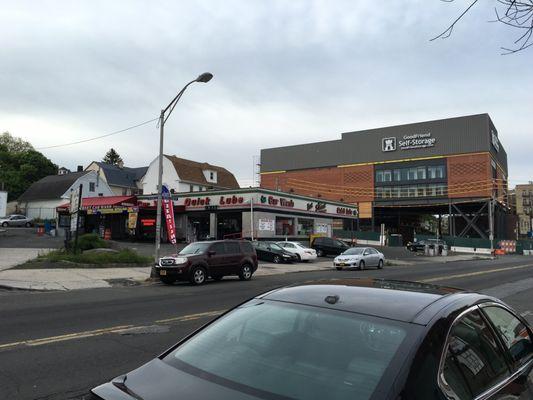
x=195, y=248
x=339, y=243
x=274, y=246
x=354, y=251
x=286, y=351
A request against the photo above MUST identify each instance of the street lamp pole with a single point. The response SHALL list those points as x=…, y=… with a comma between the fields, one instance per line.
x=205, y=77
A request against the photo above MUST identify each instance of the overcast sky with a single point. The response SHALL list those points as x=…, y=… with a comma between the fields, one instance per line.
x=285, y=72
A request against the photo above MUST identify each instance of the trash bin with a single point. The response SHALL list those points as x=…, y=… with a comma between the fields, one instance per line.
x=40, y=230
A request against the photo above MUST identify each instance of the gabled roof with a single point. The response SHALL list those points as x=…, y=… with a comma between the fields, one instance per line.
x=125, y=176
x=192, y=171
x=51, y=186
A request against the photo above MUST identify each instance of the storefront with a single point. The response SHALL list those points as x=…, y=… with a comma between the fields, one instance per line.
x=116, y=214
x=253, y=213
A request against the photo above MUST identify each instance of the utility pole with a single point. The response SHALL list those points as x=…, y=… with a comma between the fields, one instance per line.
x=205, y=77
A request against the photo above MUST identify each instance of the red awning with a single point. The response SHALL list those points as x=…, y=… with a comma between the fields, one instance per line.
x=103, y=201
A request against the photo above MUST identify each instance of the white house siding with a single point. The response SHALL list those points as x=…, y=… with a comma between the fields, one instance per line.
x=170, y=177
x=46, y=209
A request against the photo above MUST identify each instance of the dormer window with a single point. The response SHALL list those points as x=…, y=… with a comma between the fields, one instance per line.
x=210, y=175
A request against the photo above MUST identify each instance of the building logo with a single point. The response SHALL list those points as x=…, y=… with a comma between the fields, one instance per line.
x=388, y=144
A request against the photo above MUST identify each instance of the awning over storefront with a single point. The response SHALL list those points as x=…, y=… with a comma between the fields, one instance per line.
x=105, y=204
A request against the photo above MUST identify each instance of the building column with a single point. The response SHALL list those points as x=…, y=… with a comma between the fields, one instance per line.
x=213, y=225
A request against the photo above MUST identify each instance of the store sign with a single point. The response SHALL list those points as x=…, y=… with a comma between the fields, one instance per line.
x=317, y=207
x=346, y=211
x=265, y=200
x=321, y=228
x=266, y=225
x=168, y=209
x=277, y=201
x=208, y=201
x=408, y=142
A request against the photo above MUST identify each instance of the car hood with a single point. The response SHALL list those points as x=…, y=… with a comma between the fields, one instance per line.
x=157, y=380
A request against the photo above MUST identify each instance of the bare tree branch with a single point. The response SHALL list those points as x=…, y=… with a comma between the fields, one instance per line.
x=517, y=14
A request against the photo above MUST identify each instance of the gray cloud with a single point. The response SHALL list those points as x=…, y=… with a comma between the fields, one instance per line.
x=285, y=72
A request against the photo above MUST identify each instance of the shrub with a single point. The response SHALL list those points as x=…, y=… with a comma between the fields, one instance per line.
x=125, y=256
x=90, y=241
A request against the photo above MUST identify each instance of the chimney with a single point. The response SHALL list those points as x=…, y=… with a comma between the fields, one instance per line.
x=80, y=168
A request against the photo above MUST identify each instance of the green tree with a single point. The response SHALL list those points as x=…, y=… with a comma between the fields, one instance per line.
x=112, y=157
x=21, y=165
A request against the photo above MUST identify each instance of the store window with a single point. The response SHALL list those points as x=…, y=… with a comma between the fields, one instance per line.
x=387, y=176
x=411, y=175
x=284, y=226
x=421, y=173
x=305, y=227
x=379, y=176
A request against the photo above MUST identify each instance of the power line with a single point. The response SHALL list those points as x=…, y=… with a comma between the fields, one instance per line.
x=98, y=137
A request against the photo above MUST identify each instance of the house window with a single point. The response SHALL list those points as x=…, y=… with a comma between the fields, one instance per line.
x=191, y=188
x=211, y=176
x=91, y=187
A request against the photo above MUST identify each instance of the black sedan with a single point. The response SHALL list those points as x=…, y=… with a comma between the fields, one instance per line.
x=421, y=245
x=268, y=251
x=346, y=339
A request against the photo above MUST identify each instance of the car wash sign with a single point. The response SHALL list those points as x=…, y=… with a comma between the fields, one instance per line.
x=408, y=142
x=168, y=210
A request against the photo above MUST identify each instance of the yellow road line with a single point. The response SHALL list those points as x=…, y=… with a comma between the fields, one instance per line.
x=490, y=271
x=103, y=331
x=190, y=317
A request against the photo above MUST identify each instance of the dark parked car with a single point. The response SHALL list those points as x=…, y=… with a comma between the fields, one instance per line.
x=325, y=246
x=346, y=339
x=421, y=244
x=267, y=251
x=214, y=259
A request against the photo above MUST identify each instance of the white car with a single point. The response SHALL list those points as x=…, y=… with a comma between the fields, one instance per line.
x=359, y=257
x=16, y=220
x=303, y=253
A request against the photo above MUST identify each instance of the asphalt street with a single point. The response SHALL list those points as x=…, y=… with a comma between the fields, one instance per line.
x=57, y=345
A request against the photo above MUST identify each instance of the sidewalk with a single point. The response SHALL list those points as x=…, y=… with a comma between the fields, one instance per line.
x=9, y=257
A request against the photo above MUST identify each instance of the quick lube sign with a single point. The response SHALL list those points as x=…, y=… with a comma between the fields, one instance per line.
x=408, y=142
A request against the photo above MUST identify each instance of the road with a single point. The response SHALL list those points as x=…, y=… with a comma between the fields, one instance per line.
x=57, y=345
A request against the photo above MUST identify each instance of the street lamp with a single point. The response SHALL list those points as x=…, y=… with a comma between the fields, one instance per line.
x=165, y=113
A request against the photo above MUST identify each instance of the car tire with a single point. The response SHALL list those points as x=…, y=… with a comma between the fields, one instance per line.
x=246, y=272
x=276, y=259
x=361, y=265
x=5, y=224
x=320, y=253
x=380, y=264
x=27, y=224
x=217, y=278
x=197, y=276
x=167, y=280
x=338, y=268
x=299, y=258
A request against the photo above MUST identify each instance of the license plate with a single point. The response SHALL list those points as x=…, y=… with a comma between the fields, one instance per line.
x=342, y=264
x=162, y=272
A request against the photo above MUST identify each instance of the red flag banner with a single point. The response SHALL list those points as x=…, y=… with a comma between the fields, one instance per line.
x=168, y=210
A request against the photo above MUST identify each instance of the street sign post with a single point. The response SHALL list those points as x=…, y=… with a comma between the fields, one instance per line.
x=75, y=205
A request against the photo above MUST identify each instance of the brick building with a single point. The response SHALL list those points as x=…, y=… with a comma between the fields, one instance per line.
x=454, y=168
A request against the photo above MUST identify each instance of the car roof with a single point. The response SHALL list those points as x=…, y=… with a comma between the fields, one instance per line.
x=391, y=299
